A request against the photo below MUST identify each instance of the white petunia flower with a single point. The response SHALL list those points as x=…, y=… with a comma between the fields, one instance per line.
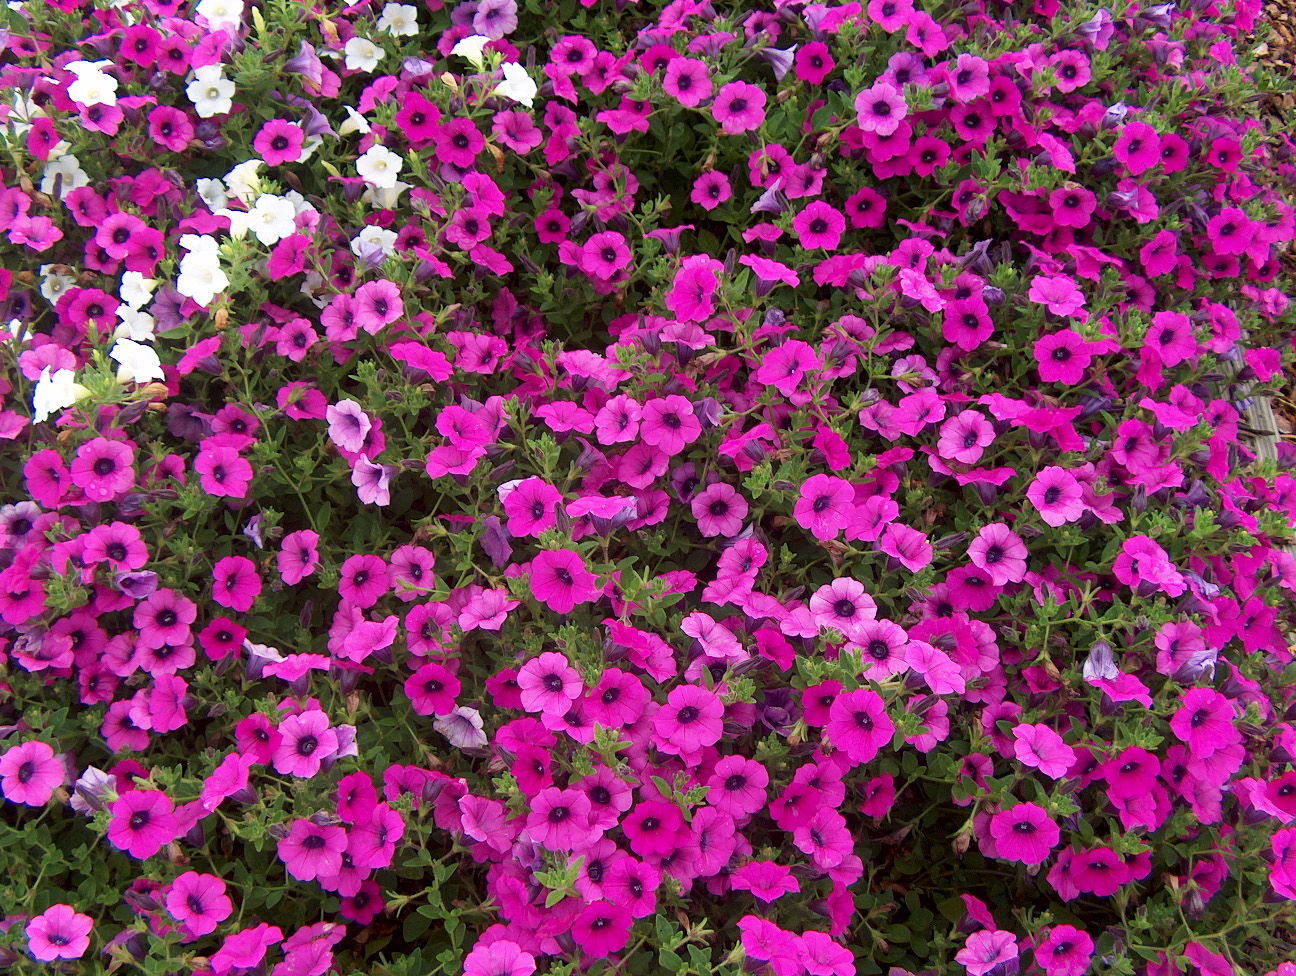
x=271, y=218
x=201, y=277
x=138, y=363
x=221, y=14
x=463, y=727
x=355, y=123
x=135, y=325
x=387, y=198
x=242, y=181
x=92, y=86
x=371, y=237
x=471, y=48
x=399, y=19
x=53, y=284
x=55, y=392
x=379, y=166
x=66, y=171
x=362, y=54
x=135, y=290
x=210, y=91
x=212, y=193
x=517, y=85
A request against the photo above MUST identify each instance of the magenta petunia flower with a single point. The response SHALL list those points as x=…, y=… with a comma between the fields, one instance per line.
x=502, y=957
x=306, y=740
x=1139, y=147
x=103, y=469
x=432, y=690
x=669, y=423
x=719, y=510
x=1000, y=552
x=843, y=604
x=30, y=773
x=198, y=902
x=235, y=583
x=365, y=579
x=1205, y=722
x=689, y=297
x=710, y=189
x=881, y=108
x=1041, y=748
x=559, y=819
x=1065, y=951
x=1056, y=495
x=1059, y=294
x=692, y=717
x=965, y=436
x=548, y=683
x=59, y=932
x=1063, y=357
x=298, y=555
x=246, y=948
x=143, y=822
x=348, y=425
x=738, y=786
x=825, y=506
x=373, y=481
x=858, y=725
x=987, y=949
x=739, y=107
x=819, y=225
x=1025, y=833
x=768, y=881
x=560, y=580
x=602, y=928
x=969, y=78
x=222, y=471
x=688, y=81
x=279, y=141
x=311, y=851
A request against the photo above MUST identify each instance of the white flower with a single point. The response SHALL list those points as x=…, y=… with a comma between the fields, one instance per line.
x=370, y=237
x=135, y=290
x=355, y=123
x=24, y=112
x=221, y=13
x=66, y=171
x=271, y=218
x=517, y=85
x=210, y=91
x=379, y=166
x=387, y=198
x=138, y=362
x=242, y=181
x=400, y=19
x=212, y=192
x=55, y=392
x=16, y=331
x=362, y=54
x=53, y=285
x=201, y=277
x=240, y=222
x=92, y=86
x=199, y=244
x=135, y=325
x=471, y=47
x=463, y=727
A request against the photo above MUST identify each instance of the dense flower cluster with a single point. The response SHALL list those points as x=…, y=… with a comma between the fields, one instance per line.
x=628, y=487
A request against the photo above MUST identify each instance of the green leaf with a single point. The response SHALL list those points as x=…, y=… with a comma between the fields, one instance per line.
x=670, y=960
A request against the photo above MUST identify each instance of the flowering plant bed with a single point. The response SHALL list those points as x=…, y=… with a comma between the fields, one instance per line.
x=639, y=488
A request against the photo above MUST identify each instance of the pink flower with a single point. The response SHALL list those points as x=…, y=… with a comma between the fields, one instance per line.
x=30, y=773
x=1000, y=552
x=691, y=718
x=103, y=469
x=499, y=958
x=59, y=932
x=279, y=141
x=1065, y=951
x=689, y=298
x=311, y=851
x=739, y=107
x=306, y=741
x=224, y=473
x=298, y=555
x=1040, y=747
x=348, y=426
x=560, y=580
x=669, y=424
x=768, y=881
x=143, y=822
x=235, y=583
x=858, y=725
x=548, y=683
x=1057, y=496
x=1205, y=722
x=783, y=367
x=1025, y=833
x=826, y=505
x=198, y=902
x=688, y=81
x=1139, y=147
x=1059, y=294
x=719, y=510
x=246, y=948
x=987, y=949
x=559, y=819
x=602, y=928
x=819, y=225
x=881, y=108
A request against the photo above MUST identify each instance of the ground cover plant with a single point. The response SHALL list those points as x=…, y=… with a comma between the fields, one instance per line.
x=632, y=487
